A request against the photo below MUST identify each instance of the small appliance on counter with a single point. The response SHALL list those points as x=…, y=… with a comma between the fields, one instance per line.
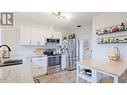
x=114, y=55
x=39, y=52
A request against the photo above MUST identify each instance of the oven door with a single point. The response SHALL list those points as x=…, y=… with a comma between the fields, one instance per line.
x=54, y=61
x=54, y=64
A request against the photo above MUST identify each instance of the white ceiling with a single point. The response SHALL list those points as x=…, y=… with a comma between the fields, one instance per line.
x=83, y=18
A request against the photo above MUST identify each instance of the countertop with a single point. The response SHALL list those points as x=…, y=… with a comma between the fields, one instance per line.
x=36, y=56
x=112, y=67
x=16, y=73
x=11, y=62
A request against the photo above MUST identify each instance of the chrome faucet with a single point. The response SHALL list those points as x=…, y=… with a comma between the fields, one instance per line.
x=6, y=54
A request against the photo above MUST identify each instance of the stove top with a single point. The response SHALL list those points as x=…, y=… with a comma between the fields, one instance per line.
x=54, y=54
x=50, y=53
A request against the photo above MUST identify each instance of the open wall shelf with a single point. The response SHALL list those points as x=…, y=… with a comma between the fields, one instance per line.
x=112, y=43
x=112, y=39
x=111, y=32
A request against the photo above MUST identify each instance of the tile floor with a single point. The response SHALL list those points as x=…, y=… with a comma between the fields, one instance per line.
x=60, y=77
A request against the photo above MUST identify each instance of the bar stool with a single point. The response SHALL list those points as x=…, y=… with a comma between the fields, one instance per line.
x=106, y=80
x=123, y=78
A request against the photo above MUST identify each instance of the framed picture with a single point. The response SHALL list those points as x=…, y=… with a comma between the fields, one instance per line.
x=86, y=45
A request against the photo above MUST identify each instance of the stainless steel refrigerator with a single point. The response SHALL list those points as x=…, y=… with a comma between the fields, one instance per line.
x=73, y=54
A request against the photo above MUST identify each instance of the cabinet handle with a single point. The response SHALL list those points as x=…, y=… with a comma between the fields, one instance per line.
x=31, y=60
x=52, y=36
x=40, y=60
x=40, y=67
x=30, y=42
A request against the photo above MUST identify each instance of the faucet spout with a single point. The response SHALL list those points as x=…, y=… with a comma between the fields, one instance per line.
x=7, y=47
x=6, y=54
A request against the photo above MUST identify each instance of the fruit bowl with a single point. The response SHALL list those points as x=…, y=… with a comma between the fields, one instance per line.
x=113, y=58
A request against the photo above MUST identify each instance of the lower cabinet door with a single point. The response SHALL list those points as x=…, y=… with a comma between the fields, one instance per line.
x=39, y=66
x=38, y=71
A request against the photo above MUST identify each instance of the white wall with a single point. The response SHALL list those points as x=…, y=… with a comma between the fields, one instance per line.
x=11, y=37
x=105, y=20
x=83, y=34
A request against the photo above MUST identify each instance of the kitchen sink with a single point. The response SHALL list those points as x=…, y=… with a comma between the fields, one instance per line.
x=11, y=62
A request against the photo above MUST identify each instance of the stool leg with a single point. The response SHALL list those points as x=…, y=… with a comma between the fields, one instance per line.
x=115, y=79
x=77, y=78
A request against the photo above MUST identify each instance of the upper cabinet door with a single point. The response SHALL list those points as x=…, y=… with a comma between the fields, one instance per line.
x=37, y=36
x=49, y=34
x=25, y=35
x=53, y=34
x=58, y=35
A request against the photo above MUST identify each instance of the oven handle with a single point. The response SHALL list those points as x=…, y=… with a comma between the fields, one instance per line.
x=55, y=56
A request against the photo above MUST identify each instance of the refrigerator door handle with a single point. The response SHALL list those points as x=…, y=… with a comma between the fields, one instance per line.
x=74, y=58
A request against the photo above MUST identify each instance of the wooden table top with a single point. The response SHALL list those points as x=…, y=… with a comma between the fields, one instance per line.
x=112, y=67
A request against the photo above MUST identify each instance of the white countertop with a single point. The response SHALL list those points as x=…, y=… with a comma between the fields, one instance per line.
x=36, y=56
x=16, y=73
x=112, y=67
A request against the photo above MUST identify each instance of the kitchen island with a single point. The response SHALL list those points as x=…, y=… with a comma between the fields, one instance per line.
x=113, y=69
x=16, y=73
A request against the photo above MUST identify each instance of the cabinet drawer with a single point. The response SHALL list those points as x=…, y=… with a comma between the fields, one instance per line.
x=39, y=71
x=38, y=59
x=36, y=65
x=39, y=62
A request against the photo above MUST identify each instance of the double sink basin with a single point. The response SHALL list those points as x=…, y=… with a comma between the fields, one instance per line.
x=10, y=62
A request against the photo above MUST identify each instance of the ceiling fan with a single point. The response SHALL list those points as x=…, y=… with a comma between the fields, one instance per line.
x=61, y=15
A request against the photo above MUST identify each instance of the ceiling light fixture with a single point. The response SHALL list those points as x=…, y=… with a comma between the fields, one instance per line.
x=61, y=16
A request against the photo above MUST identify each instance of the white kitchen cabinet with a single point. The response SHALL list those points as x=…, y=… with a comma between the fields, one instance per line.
x=63, y=62
x=25, y=36
x=53, y=34
x=38, y=66
x=32, y=36
x=58, y=35
x=37, y=36
x=16, y=74
x=49, y=34
x=10, y=74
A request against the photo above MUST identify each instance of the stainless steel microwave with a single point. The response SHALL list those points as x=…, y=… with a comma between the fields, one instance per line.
x=52, y=40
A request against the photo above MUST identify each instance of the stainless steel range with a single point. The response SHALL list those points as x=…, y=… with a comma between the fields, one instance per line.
x=54, y=61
